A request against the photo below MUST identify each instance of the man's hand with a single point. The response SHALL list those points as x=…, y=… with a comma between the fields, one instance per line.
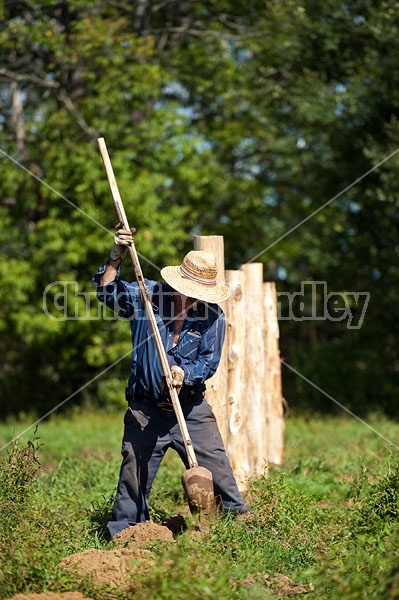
x=122, y=239
x=177, y=376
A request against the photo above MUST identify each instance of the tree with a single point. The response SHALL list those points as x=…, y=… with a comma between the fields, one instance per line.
x=230, y=118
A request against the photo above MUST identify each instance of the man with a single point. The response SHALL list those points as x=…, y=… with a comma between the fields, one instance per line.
x=192, y=328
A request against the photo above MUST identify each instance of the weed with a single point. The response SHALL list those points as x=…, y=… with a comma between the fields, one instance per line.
x=18, y=471
x=327, y=520
x=100, y=514
x=376, y=503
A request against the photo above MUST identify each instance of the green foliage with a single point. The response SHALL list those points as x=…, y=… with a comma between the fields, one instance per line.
x=220, y=118
x=377, y=502
x=45, y=516
x=327, y=521
x=17, y=475
x=367, y=554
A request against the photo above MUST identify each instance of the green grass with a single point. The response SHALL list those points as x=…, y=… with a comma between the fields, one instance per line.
x=327, y=520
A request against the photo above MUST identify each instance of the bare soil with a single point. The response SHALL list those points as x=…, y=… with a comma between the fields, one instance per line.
x=112, y=568
x=277, y=584
x=142, y=534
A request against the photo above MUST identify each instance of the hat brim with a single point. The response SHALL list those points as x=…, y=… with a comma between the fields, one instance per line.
x=184, y=285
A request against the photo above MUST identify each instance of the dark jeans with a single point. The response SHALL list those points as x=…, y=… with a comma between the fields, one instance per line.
x=149, y=432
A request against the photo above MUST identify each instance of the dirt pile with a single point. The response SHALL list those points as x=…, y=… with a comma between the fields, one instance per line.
x=277, y=584
x=110, y=568
x=142, y=534
x=113, y=568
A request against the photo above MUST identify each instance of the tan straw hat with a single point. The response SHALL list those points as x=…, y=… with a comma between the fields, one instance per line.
x=196, y=278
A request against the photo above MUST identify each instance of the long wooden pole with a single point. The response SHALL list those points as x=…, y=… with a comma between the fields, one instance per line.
x=120, y=211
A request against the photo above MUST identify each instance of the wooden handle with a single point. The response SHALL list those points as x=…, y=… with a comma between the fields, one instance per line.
x=120, y=211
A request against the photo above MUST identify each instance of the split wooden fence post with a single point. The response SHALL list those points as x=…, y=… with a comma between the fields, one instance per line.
x=272, y=383
x=236, y=417
x=246, y=392
x=254, y=369
x=217, y=385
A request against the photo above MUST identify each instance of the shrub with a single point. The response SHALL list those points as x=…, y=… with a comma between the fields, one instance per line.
x=18, y=472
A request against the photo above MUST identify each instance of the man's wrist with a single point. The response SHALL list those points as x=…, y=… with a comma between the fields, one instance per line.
x=110, y=272
x=116, y=263
x=117, y=253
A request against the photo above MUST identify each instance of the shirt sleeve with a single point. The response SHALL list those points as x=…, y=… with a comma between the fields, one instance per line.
x=121, y=297
x=201, y=365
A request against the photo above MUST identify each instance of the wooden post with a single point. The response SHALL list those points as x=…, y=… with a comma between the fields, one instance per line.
x=245, y=393
x=254, y=369
x=216, y=386
x=237, y=437
x=273, y=387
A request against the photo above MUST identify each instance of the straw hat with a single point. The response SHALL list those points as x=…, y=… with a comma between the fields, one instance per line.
x=196, y=278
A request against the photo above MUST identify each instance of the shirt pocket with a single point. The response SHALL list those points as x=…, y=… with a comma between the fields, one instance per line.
x=188, y=346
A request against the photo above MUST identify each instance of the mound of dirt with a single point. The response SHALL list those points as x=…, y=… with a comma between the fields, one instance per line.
x=143, y=533
x=113, y=568
x=277, y=584
x=281, y=585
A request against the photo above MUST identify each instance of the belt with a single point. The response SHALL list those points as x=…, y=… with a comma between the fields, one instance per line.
x=168, y=406
x=186, y=396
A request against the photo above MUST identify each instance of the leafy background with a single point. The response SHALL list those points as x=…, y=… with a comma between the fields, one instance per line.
x=232, y=118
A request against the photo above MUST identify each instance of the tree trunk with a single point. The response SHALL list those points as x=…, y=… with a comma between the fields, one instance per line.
x=18, y=120
x=142, y=15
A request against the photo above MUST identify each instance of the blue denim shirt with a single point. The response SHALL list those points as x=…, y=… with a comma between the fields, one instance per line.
x=200, y=343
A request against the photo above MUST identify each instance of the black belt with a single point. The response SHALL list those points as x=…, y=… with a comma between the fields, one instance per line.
x=187, y=395
x=168, y=406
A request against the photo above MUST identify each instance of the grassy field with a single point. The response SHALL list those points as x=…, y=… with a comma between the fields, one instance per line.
x=326, y=523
